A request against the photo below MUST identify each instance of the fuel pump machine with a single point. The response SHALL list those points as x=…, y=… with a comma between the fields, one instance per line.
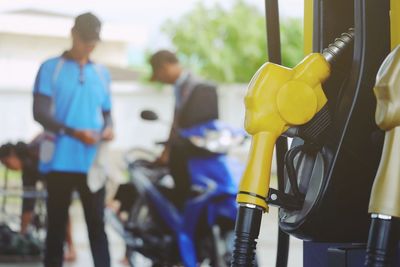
x=327, y=105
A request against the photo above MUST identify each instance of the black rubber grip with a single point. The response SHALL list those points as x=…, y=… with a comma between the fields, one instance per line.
x=247, y=229
x=382, y=242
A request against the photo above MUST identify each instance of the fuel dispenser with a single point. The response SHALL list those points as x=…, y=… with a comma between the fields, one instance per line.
x=326, y=104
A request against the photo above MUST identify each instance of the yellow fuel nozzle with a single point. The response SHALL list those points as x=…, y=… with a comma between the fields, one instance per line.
x=385, y=195
x=278, y=98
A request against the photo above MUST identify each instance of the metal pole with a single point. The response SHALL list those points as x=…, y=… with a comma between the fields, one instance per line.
x=281, y=147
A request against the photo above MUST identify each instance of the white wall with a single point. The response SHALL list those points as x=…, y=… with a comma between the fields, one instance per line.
x=21, y=56
x=37, y=48
x=17, y=122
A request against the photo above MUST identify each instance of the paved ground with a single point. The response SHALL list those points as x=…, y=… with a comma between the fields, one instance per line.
x=266, y=247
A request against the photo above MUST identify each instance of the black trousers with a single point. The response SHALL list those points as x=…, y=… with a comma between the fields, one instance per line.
x=29, y=179
x=178, y=166
x=60, y=187
x=181, y=151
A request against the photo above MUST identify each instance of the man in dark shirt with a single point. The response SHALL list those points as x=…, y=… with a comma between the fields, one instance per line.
x=196, y=102
x=24, y=157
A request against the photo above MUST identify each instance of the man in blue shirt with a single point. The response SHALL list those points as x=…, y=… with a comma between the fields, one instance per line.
x=72, y=102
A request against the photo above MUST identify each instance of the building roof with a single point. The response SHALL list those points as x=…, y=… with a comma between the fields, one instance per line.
x=53, y=24
x=40, y=13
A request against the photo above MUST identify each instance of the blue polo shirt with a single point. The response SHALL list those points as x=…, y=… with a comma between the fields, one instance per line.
x=79, y=94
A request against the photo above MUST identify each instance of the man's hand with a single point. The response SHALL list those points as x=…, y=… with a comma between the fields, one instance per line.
x=86, y=136
x=108, y=134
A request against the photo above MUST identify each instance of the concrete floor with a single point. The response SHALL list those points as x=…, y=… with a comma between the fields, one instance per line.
x=266, y=245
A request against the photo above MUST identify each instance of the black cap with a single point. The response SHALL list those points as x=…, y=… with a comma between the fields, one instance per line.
x=159, y=58
x=88, y=27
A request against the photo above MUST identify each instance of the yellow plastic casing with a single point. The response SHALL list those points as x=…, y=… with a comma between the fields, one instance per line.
x=385, y=194
x=278, y=98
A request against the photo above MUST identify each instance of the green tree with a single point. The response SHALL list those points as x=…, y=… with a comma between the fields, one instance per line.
x=292, y=42
x=229, y=44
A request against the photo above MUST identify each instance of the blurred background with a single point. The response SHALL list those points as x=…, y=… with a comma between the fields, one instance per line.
x=224, y=41
x=221, y=40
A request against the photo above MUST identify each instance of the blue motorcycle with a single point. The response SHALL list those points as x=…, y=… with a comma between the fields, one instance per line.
x=200, y=234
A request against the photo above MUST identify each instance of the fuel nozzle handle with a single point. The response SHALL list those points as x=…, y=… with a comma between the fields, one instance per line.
x=384, y=203
x=277, y=98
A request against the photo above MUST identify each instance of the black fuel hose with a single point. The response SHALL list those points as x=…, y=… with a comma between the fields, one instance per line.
x=247, y=229
x=382, y=242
